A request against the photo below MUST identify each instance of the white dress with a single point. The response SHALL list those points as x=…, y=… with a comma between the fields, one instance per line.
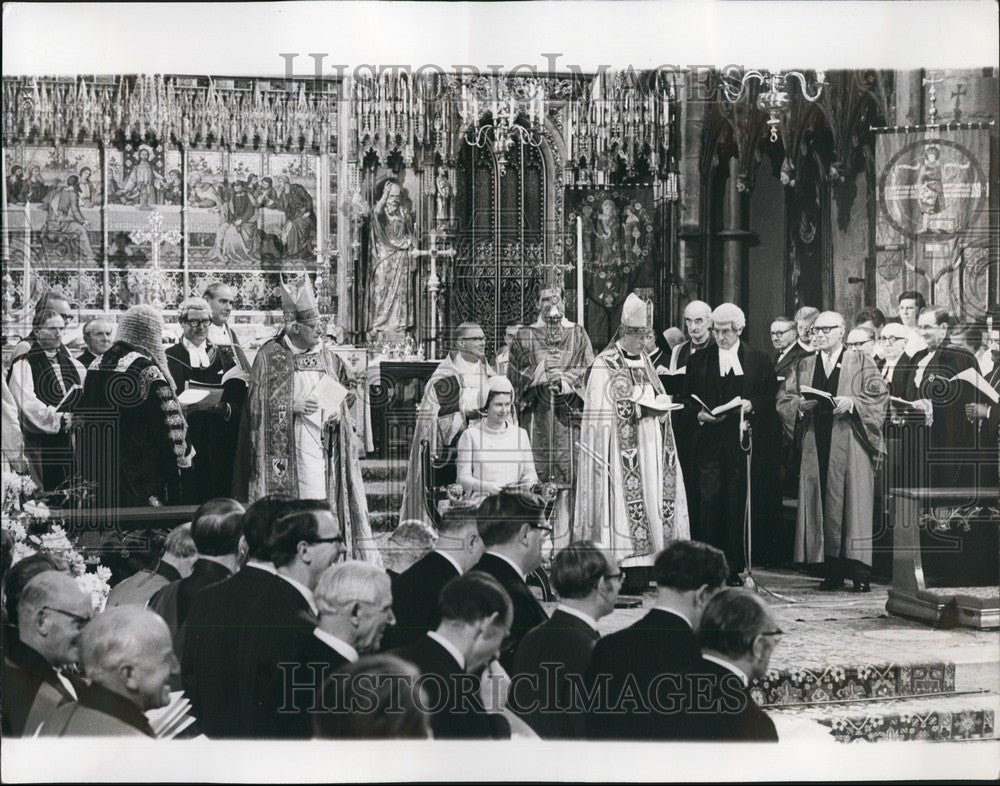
x=487, y=455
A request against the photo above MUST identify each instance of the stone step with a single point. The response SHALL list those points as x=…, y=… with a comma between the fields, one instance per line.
x=383, y=520
x=384, y=496
x=374, y=470
x=929, y=718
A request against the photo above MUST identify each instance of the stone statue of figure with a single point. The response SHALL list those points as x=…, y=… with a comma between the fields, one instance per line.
x=390, y=290
x=443, y=197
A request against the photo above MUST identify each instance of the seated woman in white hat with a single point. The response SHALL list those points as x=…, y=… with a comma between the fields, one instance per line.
x=494, y=453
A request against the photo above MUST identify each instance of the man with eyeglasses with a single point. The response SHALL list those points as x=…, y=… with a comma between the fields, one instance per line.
x=513, y=529
x=738, y=635
x=731, y=370
x=52, y=611
x=841, y=442
x=863, y=339
x=784, y=339
x=449, y=404
x=39, y=380
x=301, y=433
x=587, y=580
x=194, y=359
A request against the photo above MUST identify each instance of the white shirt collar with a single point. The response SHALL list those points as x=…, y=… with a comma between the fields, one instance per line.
x=219, y=334
x=579, y=614
x=304, y=591
x=267, y=567
x=806, y=347
x=338, y=645
x=450, y=559
x=509, y=561
x=675, y=612
x=730, y=666
x=198, y=355
x=785, y=351
x=67, y=684
x=830, y=360
x=452, y=649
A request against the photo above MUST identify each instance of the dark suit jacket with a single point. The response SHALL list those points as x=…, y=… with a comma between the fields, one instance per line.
x=461, y=714
x=724, y=710
x=563, y=641
x=758, y=384
x=629, y=662
x=31, y=689
x=784, y=367
x=315, y=662
x=415, y=594
x=236, y=634
x=528, y=612
x=173, y=602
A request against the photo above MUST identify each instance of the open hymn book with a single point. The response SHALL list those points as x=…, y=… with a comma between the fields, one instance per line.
x=205, y=395
x=810, y=393
x=735, y=403
x=167, y=722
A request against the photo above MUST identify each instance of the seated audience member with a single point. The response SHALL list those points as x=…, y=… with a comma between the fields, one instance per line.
x=375, y=698
x=513, y=529
x=663, y=642
x=587, y=581
x=52, y=610
x=239, y=630
x=355, y=606
x=128, y=656
x=14, y=581
x=494, y=453
x=217, y=532
x=415, y=592
x=156, y=568
x=408, y=544
x=476, y=614
x=738, y=633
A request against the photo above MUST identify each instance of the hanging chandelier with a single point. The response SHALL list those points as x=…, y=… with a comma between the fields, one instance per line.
x=775, y=99
x=504, y=110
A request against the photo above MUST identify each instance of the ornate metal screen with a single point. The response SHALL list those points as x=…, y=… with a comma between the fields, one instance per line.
x=501, y=239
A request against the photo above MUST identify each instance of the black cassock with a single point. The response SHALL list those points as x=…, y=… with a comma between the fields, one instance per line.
x=213, y=433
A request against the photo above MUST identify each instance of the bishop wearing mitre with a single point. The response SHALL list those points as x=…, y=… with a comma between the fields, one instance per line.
x=302, y=439
x=630, y=495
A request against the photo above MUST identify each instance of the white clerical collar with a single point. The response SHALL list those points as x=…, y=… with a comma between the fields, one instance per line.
x=450, y=559
x=304, y=591
x=219, y=334
x=466, y=366
x=806, y=347
x=267, y=567
x=452, y=649
x=675, y=612
x=198, y=354
x=578, y=614
x=509, y=561
x=52, y=354
x=337, y=645
x=729, y=666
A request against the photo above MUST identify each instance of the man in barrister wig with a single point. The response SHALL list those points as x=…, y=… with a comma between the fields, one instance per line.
x=630, y=495
x=301, y=436
x=132, y=439
x=841, y=442
x=728, y=370
x=195, y=359
x=548, y=363
x=450, y=403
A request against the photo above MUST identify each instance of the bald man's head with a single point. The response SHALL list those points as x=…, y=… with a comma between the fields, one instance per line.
x=129, y=651
x=698, y=320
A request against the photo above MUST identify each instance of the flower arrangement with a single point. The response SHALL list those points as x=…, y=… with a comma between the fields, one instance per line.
x=26, y=520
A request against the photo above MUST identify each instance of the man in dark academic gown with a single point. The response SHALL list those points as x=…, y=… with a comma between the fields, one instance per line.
x=986, y=414
x=134, y=438
x=194, y=359
x=841, y=442
x=949, y=458
x=730, y=369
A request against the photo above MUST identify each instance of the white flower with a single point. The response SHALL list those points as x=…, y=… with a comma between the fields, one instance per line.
x=37, y=510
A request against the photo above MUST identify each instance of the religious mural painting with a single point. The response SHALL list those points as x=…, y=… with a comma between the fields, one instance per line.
x=616, y=226
x=53, y=224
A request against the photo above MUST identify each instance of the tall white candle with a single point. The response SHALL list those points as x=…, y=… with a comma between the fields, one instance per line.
x=579, y=270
